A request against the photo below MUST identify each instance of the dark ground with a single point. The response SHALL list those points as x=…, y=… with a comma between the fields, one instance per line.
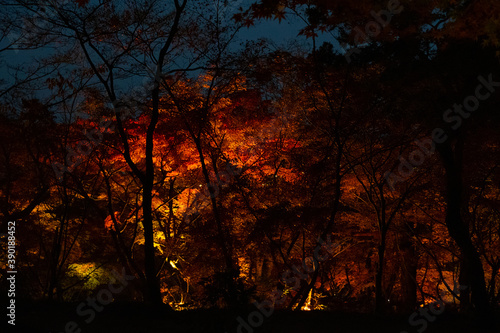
x=136, y=318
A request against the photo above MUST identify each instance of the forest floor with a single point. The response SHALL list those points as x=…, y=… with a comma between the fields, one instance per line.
x=137, y=319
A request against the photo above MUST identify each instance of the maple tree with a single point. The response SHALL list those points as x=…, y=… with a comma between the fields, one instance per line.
x=214, y=170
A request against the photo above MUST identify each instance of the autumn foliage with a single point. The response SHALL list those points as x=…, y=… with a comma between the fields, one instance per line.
x=209, y=171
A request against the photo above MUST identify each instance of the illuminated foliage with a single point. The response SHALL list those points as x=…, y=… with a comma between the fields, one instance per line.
x=209, y=182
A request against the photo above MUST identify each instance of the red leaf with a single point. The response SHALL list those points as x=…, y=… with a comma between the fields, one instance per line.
x=248, y=22
x=82, y=3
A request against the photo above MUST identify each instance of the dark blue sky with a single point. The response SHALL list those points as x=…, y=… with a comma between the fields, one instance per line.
x=279, y=33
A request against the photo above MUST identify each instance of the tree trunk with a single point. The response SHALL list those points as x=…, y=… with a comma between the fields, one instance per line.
x=408, y=274
x=379, y=294
x=473, y=268
x=463, y=280
x=153, y=294
x=222, y=235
